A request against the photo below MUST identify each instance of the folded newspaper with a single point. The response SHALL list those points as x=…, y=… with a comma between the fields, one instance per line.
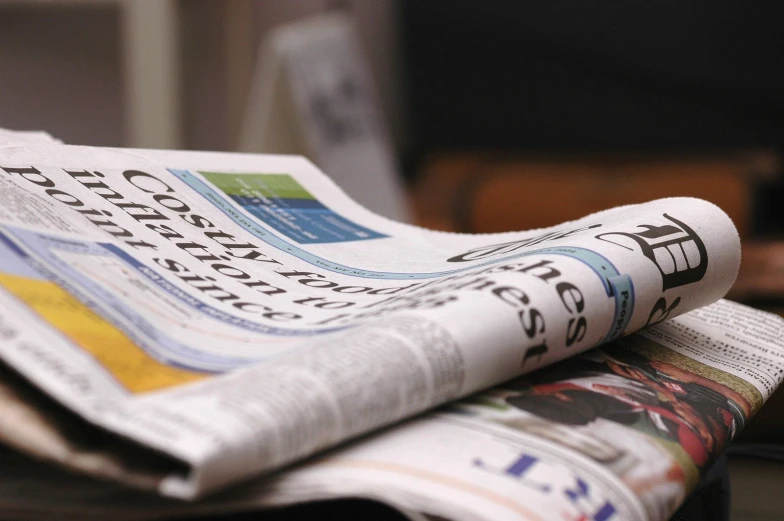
x=179, y=322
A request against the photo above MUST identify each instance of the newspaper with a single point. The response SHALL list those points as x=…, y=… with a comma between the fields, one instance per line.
x=11, y=137
x=182, y=321
x=622, y=432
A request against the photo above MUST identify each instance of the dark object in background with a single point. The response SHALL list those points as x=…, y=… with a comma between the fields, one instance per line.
x=337, y=510
x=710, y=501
x=767, y=218
x=566, y=75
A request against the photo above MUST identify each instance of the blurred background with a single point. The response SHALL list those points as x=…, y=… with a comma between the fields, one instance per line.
x=469, y=116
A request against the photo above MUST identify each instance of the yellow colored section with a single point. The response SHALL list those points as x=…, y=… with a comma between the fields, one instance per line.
x=130, y=365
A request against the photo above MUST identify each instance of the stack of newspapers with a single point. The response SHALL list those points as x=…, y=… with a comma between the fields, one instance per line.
x=190, y=333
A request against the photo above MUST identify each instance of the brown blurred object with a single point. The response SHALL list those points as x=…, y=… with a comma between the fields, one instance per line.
x=761, y=278
x=482, y=193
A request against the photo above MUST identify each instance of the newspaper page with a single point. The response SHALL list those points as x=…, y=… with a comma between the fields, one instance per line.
x=9, y=137
x=622, y=432
x=234, y=313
